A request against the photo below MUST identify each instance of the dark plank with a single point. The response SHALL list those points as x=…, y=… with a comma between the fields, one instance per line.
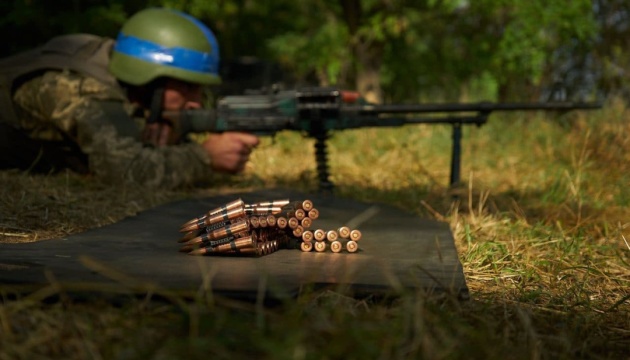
x=398, y=250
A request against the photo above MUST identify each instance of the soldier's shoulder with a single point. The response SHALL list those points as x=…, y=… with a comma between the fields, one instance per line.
x=77, y=84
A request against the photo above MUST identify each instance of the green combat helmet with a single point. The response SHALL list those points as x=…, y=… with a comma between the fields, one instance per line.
x=159, y=42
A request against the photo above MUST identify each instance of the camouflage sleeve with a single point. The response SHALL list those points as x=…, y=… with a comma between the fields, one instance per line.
x=62, y=105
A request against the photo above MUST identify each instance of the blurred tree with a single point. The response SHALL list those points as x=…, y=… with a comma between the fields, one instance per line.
x=389, y=50
x=444, y=49
x=32, y=22
x=611, y=58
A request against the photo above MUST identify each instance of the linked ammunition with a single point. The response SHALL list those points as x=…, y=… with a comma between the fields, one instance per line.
x=219, y=225
x=352, y=246
x=336, y=246
x=226, y=231
x=240, y=243
x=261, y=228
x=211, y=243
x=355, y=235
x=223, y=216
x=320, y=246
x=344, y=232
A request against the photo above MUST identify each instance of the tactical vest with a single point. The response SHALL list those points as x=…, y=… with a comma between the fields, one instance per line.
x=82, y=53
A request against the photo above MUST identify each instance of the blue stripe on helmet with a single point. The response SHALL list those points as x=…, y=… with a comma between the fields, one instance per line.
x=182, y=58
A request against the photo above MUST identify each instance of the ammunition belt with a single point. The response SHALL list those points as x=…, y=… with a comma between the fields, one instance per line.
x=240, y=229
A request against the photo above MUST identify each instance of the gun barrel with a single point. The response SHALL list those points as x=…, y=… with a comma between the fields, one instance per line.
x=470, y=107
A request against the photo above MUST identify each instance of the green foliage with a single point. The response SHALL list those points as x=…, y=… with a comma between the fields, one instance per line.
x=451, y=50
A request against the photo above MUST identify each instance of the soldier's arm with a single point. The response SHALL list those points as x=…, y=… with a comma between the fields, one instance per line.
x=65, y=105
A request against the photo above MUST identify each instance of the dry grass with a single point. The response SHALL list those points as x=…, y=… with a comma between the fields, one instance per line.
x=542, y=228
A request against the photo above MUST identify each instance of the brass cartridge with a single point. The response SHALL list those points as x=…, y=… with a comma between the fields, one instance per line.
x=263, y=210
x=244, y=242
x=282, y=222
x=271, y=220
x=188, y=248
x=297, y=232
x=191, y=234
x=253, y=221
x=305, y=205
x=272, y=203
x=238, y=203
x=254, y=251
x=344, y=232
x=319, y=235
x=352, y=246
x=191, y=225
x=297, y=213
x=262, y=221
x=313, y=214
x=307, y=235
x=306, y=222
x=331, y=235
x=293, y=222
x=320, y=246
x=306, y=246
x=336, y=246
x=355, y=235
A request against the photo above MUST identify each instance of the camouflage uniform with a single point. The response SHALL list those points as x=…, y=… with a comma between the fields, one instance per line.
x=74, y=114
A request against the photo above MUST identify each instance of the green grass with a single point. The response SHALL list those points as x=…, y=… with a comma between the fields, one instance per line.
x=541, y=225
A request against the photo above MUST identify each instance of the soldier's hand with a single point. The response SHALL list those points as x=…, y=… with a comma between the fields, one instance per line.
x=230, y=151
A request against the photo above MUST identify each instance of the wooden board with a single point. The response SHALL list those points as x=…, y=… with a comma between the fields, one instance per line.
x=397, y=251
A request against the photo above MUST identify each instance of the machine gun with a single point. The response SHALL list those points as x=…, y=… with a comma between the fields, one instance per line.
x=317, y=111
